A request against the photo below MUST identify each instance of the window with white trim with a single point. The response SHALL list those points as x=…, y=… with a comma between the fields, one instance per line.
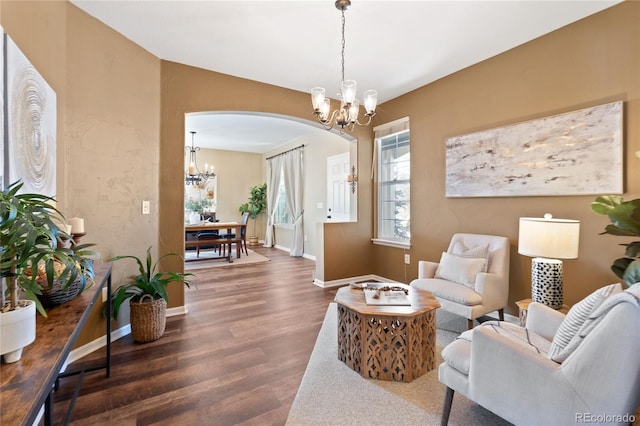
x=394, y=182
x=282, y=216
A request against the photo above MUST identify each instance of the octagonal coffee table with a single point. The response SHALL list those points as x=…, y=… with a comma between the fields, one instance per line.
x=387, y=342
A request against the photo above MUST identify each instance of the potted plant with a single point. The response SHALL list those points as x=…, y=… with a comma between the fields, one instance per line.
x=196, y=207
x=147, y=294
x=625, y=222
x=257, y=204
x=35, y=253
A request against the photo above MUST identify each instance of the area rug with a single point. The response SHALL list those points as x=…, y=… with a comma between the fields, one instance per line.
x=332, y=394
x=208, y=260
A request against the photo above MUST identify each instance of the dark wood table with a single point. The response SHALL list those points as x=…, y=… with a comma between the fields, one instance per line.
x=230, y=227
x=27, y=385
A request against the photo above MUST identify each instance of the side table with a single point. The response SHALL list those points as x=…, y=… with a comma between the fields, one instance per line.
x=523, y=307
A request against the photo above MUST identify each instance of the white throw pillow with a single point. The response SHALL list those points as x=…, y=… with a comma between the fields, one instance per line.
x=560, y=346
x=461, y=270
x=460, y=249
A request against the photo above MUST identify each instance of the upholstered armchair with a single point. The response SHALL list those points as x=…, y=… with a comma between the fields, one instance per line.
x=472, y=277
x=557, y=370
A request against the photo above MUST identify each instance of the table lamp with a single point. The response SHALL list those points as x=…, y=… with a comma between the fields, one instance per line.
x=548, y=240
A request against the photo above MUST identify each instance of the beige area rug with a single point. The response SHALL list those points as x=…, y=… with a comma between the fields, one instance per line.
x=333, y=394
x=208, y=260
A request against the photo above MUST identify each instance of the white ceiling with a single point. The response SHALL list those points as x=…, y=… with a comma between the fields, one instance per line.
x=393, y=47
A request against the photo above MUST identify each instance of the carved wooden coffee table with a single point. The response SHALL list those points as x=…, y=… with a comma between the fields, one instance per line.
x=394, y=343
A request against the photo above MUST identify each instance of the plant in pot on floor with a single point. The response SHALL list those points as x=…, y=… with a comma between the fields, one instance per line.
x=32, y=241
x=257, y=204
x=147, y=294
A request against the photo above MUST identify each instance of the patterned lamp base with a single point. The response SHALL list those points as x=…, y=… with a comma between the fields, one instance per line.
x=546, y=281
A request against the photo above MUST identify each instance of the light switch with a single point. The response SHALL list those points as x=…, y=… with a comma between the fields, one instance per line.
x=146, y=207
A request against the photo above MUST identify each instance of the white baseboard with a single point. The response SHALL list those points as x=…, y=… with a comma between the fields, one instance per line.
x=94, y=345
x=345, y=281
x=101, y=342
x=178, y=310
x=288, y=250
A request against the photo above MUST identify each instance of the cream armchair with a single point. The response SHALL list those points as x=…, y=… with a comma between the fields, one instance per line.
x=508, y=369
x=462, y=283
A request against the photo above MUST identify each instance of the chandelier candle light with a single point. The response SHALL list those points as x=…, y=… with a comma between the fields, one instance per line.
x=547, y=240
x=193, y=176
x=347, y=115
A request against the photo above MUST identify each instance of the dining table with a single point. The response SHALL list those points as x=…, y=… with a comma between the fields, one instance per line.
x=229, y=227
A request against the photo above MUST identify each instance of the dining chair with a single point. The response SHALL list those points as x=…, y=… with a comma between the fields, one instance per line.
x=243, y=234
x=211, y=237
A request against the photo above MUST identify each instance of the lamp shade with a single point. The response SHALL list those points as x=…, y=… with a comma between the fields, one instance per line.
x=549, y=237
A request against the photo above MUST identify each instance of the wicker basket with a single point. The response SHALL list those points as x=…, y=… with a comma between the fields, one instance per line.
x=148, y=318
x=57, y=296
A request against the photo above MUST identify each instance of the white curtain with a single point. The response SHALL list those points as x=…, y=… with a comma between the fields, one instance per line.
x=293, y=184
x=273, y=183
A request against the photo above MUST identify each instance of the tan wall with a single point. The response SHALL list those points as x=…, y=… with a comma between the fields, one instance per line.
x=236, y=172
x=591, y=62
x=108, y=97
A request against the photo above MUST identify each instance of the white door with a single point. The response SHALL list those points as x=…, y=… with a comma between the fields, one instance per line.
x=338, y=205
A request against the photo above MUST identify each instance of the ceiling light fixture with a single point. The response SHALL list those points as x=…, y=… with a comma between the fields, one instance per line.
x=347, y=114
x=193, y=175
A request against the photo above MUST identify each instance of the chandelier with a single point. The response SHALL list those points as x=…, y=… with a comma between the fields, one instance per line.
x=347, y=114
x=193, y=176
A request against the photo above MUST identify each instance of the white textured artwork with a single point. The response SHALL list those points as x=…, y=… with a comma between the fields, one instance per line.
x=31, y=127
x=574, y=153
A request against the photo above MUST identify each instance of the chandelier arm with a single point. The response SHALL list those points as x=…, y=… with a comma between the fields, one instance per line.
x=364, y=124
x=328, y=123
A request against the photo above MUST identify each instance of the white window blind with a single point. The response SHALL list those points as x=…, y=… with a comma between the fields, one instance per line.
x=393, y=168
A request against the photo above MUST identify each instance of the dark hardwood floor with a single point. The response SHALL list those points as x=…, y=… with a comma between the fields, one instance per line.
x=237, y=357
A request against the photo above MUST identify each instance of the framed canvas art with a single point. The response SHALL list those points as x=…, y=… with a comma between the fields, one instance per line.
x=575, y=153
x=31, y=125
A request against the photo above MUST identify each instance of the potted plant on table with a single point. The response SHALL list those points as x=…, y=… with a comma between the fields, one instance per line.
x=147, y=294
x=35, y=254
x=625, y=222
x=257, y=204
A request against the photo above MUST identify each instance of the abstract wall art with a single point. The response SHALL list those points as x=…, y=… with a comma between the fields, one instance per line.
x=31, y=125
x=575, y=153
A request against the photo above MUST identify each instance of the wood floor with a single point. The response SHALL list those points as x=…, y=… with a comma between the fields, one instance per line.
x=237, y=357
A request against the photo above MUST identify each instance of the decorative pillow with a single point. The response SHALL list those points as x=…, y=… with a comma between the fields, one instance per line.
x=460, y=249
x=576, y=317
x=461, y=270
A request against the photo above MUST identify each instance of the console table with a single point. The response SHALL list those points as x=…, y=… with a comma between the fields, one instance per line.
x=27, y=385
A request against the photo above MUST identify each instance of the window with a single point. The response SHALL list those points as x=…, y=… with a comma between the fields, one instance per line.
x=282, y=215
x=394, y=171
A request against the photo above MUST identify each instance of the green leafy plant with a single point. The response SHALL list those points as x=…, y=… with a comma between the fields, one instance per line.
x=625, y=222
x=149, y=281
x=257, y=203
x=197, y=205
x=33, y=247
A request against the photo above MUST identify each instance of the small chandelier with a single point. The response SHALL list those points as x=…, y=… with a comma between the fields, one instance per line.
x=193, y=176
x=347, y=114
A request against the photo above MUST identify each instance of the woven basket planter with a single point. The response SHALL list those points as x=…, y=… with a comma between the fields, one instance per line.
x=57, y=295
x=148, y=318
